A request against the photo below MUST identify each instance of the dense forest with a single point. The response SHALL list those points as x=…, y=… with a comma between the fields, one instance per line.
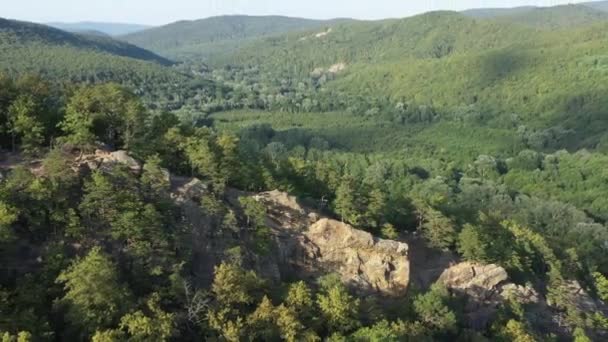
x=132, y=187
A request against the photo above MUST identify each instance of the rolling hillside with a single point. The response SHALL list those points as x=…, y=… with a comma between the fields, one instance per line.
x=111, y=29
x=599, y=5
x=448, y=61
x=24, y=33
x=556, y=17
x=62, y=56
x=207, y=37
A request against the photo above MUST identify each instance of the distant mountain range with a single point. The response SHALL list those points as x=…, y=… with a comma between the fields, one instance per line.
x=89, y=57
x=206, y=38
x=111, y=29
x=527, y=10
x=555, y=17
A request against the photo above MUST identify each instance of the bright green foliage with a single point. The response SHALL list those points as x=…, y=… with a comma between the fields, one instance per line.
x=389, y=232
x=339, y=309
x=94, y=297
x=299, y=297
x=108, y=336
x=391, y=331
x=106, y=112
x=290, y=327
x=231, y=330
x=601, y=285
x=158, y=326
x=154, y=177
x=24, y=124
x=22, y=336
x=580, y=336
x=210, y=155
x=262, y=321
x=432, y=309
x=8, y=215
x=233, y=285
x=515, y=331
x=381, y=331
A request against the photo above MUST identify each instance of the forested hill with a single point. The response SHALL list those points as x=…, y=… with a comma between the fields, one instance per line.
x=600, y=5
x=24, y=33
x=448, y=61
x=206, y=37
x=59, y=56
x=111, y=29
x=544, y=17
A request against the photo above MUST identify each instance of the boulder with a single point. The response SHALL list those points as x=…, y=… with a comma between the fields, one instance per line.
x=308, y=246
x=192, y=190
x=122, y=157
x=478, y=281
x=284, y=212
x=485, y=287
x=365, y=263
x=519, y=293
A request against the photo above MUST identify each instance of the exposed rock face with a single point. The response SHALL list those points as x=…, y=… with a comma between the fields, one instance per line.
x=367, y=263
x=118, y=157
x=284, y=212
x=581, y=299
x=193, y=190
x=485, y=287
x=106, y=160
x=309, y=246
x=336, y=68
x=478, y=281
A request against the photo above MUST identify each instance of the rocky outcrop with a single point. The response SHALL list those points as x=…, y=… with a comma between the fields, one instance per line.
x=310, y=246
x=109, y=159
x=478, y=281
x=192, y=189
x=485, y=287
x=363, y=261
x=106, y=160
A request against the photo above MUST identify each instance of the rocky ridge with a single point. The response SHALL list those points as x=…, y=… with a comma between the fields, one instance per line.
x=307, y=245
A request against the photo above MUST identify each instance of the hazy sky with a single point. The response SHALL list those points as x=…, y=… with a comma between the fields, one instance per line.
x=157, y=12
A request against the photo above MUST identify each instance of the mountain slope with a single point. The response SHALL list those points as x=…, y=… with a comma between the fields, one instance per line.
x=556, y=17
x=456, y=64
x=62, y=56
x=598, y=5
x=496, y=12
x=206, y=37
x=112, y=29
x=18, y=32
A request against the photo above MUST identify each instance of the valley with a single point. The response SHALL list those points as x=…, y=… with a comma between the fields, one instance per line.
x=439, y=177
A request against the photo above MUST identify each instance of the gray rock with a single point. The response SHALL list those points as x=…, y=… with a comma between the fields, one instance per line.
x=122, y=157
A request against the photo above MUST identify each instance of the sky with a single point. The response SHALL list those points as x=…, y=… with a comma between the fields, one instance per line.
x=158, y=12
